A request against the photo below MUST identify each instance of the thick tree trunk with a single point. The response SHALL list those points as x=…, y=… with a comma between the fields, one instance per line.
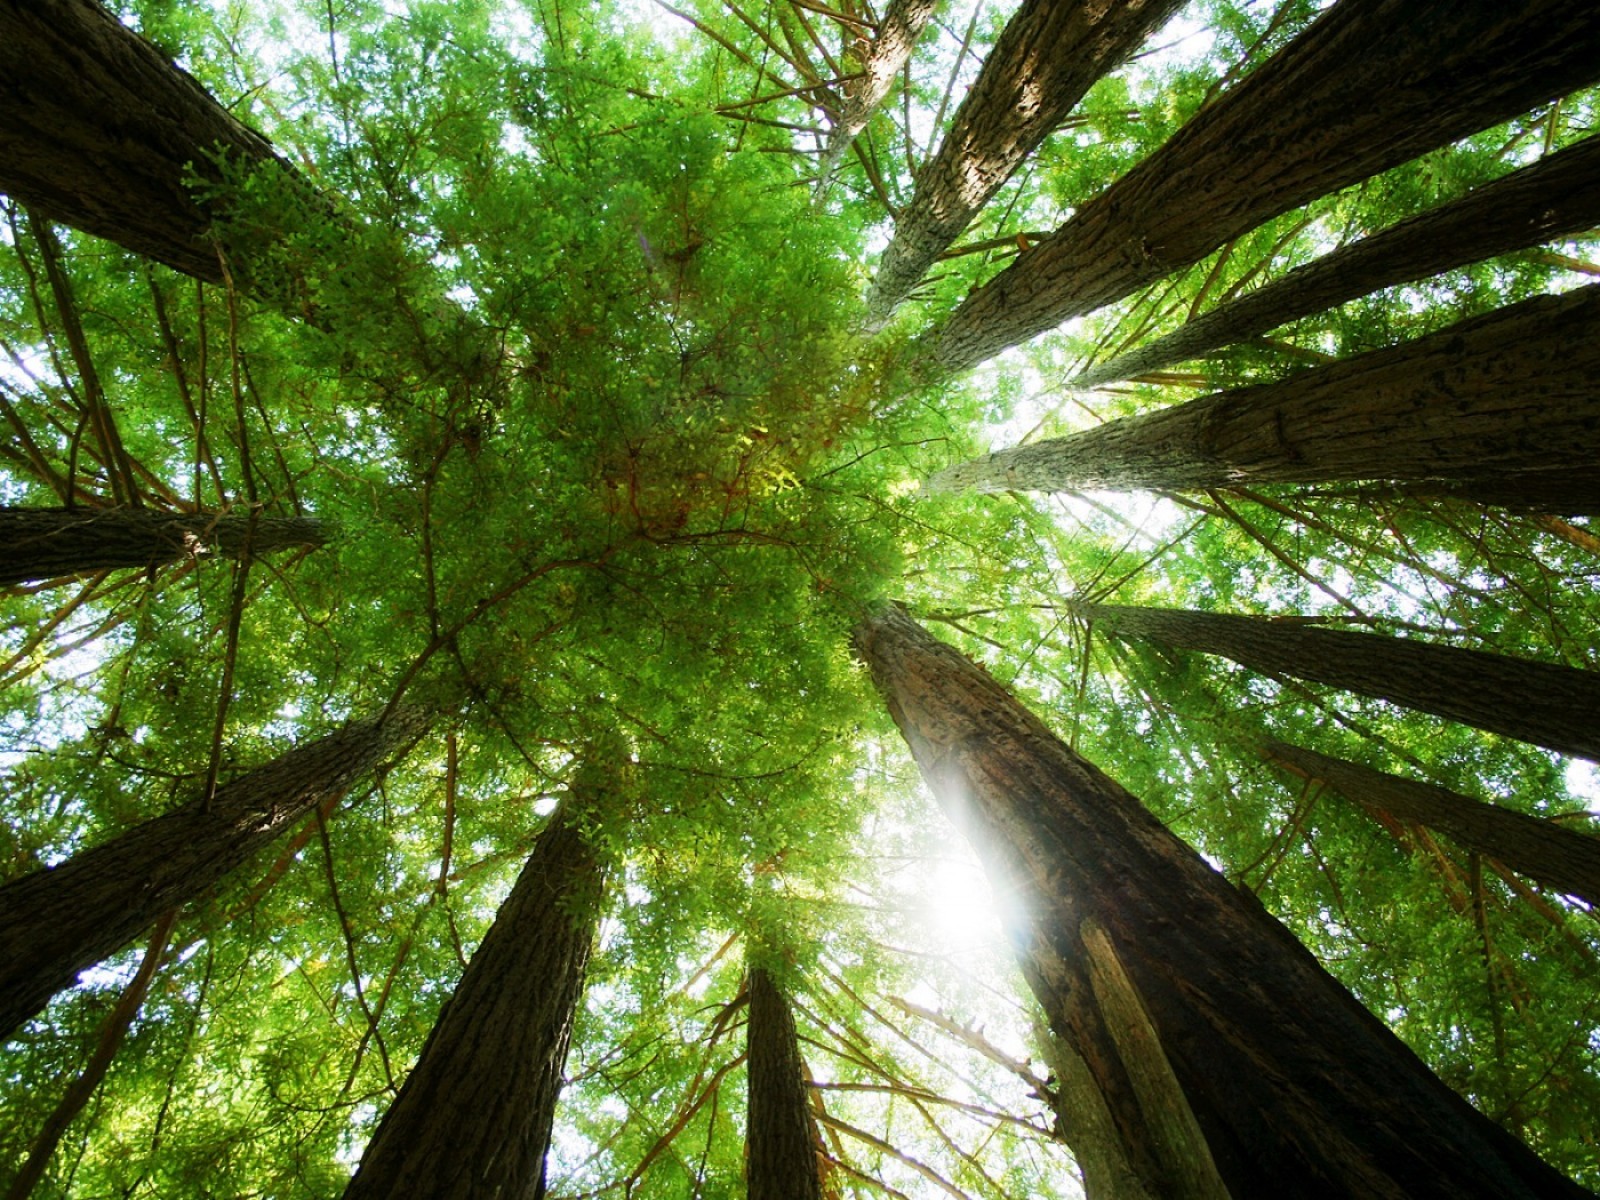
x=1510, y=395
x=473, y=1118
x=898, y=31
x=1543, y=703
x=781, y=1162
x=45, y=543
x=100, y=131
x=1226, y=1056
x=1371, y=84
x=58, y=921
x=1557, y=196
x=1565, y=859
x=1049, y=55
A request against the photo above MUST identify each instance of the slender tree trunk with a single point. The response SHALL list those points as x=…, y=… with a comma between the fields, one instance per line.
x=1049, y=55
x=902, y=24
x=781, y=1140
x=1514, y=394
x=1371, y=84
x=473, y=1118
x=1565, y=859
x=1542, y=703
x=1229, y=1061
x=1572, y=493
x=44, y=543
x=61, y=920
x=100, y=131
x=1557, y=196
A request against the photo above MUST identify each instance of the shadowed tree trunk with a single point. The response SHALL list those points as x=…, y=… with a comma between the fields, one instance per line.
x=1557, y=196
x=781, y=1141
x=902, y=24
x=1572, y=493
x=1049, y=55
x=44, y=543
x=1229, y=1061
x=61, y=920
x=100, y=131
x=1543, y=703
x=1565, y=859
x=473, y=1118
x=1512, y=394
x=1371, y=84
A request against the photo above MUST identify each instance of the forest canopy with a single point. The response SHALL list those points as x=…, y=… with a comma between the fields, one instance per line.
x=487, y=442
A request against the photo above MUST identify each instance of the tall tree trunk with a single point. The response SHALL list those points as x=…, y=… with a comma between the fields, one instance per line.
x=1226, y=1056
x=100, y=131
x=1049, y=55
x=44, y=543
x=1371, y=84
x=1542, y=703
x=1565, y=859
x=902, y=24
x=1572, y=493
x=61, y=920
x=781, y=1141
x=473, y=1118
x=1557, y=196
x=1512, y=394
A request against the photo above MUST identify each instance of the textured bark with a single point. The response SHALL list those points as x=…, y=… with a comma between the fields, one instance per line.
x=1511, y=394
x=1557, y=196
x=473, y=1118
x=45, y=543
x=1565, y=859
x=61, y=920
x=902, y=24
x=781, y=1162
x=1049, y=55
x=99, y=130
x=1296, y=1088
x=1542, y=703
x=1371, y=84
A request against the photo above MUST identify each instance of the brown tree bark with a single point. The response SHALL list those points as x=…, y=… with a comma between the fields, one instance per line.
x=101, y=131
x=1571, y=493
x=1371, y=84
x=902, y=24
x=61, y=920
x=1543, y=703
x=1511, y=395
x=1226, y=1056
x=781, y=1142
x=1567, y=860
x=1049, y=55
x=1557, y=196
x=45, y=543
x=473, y=1118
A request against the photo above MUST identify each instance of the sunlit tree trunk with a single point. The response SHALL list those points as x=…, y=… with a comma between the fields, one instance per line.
x=1557, y=196
x=1049, y=55
x=61, y=920
x=44, y=543
x=101, y=131
x=1229, y=1062
x=473, y=1118
x=1543, y=703
x=1509, y=395
x=1371, y=84
x=1567, y=860
x=781, y=1141
x=902, y=24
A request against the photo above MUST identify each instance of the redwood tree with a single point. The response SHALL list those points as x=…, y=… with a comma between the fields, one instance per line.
x=890, y=49
x=1565, y=859
x=473, y=1118
x=1504, y=397
x=63, y=919
x=1543, y=703
x=44, y=543
x=1227, y=1059
x=1371, y=84
x=780, y=1138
